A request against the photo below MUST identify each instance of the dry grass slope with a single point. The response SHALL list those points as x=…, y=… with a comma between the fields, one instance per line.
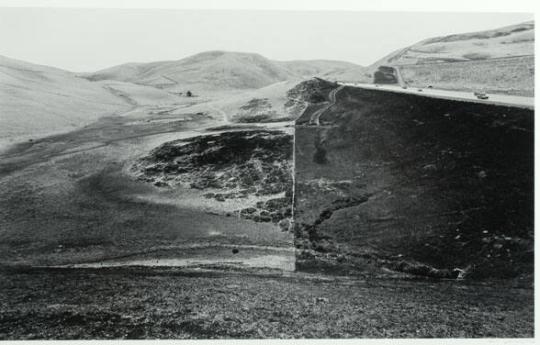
x=499, y=61
x=37, y=100
x=515, y=40
x=221, y=70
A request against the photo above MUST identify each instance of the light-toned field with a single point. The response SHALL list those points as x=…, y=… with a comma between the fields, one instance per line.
x=270, y=102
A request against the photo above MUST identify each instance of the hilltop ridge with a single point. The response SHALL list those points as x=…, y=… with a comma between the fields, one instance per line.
x=223, y=70
x=508, y=41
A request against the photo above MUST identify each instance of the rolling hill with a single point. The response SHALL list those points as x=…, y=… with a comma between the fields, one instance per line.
x=326, y=69
x=232, y=85
x=38, y=100
x=509, y=41
x=496, y=61
x=213, y=70
x=221, y=70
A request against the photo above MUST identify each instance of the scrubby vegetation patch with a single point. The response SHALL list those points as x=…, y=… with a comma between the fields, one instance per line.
x=230, y=165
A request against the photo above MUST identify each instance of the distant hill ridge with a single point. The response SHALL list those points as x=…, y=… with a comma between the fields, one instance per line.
x=223, y=70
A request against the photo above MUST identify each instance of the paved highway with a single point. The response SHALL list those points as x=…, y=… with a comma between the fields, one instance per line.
x=497, y=99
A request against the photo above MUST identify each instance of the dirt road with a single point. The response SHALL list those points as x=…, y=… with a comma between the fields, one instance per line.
x=221, y=112
x=317, y=115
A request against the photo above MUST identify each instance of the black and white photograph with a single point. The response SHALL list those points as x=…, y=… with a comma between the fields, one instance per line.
x=185, y=172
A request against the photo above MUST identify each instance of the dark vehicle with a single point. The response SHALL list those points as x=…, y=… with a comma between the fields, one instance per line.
x=481, y=95
x=385, y=75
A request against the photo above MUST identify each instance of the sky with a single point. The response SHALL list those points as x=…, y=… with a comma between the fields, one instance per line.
x=85, y=40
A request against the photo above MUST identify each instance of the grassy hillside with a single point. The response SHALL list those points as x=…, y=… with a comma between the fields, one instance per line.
x=39, y=100
x=415, y=182
x=514, y=75
x=327, y=69
x=240, y=87
x=141, y=95
x=154, y=303
x=220, y=70
x=36, y=100
x=269, y=103
x=213, y=70
x=514, y=40
x=499, y=61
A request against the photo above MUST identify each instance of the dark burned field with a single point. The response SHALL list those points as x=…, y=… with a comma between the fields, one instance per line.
x=415, y=182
